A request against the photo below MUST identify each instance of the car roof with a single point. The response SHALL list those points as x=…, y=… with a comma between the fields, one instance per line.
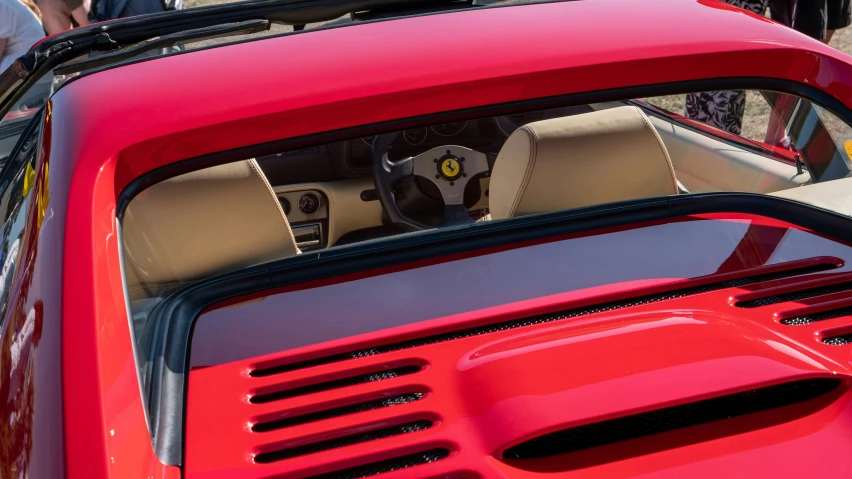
x=154, y=112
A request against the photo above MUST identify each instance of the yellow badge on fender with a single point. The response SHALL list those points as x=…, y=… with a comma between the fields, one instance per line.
x=450, y=168
x=29, y=180
x=848, y=147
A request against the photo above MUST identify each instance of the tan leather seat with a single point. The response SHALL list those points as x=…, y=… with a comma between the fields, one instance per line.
x=581, y=160
x=202, y=223
x=834, y=195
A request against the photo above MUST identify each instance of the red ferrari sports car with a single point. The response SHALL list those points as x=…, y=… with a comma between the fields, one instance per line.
x=431, y=240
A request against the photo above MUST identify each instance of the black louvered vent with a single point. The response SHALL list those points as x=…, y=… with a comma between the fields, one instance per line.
x=335, y=384
x=838, y=340
x=395, y=464
x=812, y=318
x=373, y=435
x=670, y=419
x=337, y=412
x=797, y=295
x=518, y=323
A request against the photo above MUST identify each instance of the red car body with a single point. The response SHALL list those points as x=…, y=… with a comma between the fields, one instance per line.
x=72, y=403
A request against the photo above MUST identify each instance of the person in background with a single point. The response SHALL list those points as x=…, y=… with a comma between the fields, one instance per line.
x=19, y=30
x=815, y=18
x=61, y=15
x=112, y=9
x=723, y=109
x=839, y=16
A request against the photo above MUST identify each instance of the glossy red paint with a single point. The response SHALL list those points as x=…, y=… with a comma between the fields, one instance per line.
x=104, y=134
x=485, y=393
x=30, y=348
x=424, y=71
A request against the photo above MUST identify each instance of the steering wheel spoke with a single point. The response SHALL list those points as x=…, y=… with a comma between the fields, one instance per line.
x=448, y=167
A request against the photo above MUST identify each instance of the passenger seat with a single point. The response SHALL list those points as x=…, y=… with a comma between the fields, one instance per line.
x=581, y=160
x=200, y=224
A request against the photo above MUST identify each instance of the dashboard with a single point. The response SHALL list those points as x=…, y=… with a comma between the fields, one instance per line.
x=309, y=182
x=483, y=135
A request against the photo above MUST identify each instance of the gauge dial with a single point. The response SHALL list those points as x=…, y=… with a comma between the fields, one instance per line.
x=309, y=203
x=449, y=129
x=415, y=136
x=286, y=205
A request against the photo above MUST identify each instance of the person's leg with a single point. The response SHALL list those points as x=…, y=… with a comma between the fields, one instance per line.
x=782, y=11
x=809, y=17
x=723, y=109
x=839, y=15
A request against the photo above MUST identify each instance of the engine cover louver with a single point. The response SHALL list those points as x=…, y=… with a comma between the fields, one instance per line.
x=824, y=299
x=337, y=412
x=395, y=464
x=372, y=435
x=448, y=400
x=670, y=419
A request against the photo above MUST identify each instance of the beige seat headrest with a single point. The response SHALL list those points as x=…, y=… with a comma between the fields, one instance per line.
x=202, y=223
x=581, y=160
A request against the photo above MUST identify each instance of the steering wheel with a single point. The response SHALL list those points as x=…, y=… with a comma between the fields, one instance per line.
x=449, y=167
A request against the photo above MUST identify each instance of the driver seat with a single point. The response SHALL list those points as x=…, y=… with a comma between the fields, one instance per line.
x=581, y=160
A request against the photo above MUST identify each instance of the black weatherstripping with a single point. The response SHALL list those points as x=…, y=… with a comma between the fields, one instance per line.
x=671, y=418
x=238, y=28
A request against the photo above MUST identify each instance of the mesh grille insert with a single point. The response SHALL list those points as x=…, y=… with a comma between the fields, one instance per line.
x=838, y=340
x=395, y=464
x=670, y=419
x=343, y=441
x=797, y=295
x=812, y=318
x=337, y=412
x=519, y=323
x=336, y=384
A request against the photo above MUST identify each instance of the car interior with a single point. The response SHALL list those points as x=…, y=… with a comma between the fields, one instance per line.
x=465, y=173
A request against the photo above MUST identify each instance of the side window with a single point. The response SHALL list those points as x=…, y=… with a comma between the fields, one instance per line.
x=785, y=126
x=16, y=186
